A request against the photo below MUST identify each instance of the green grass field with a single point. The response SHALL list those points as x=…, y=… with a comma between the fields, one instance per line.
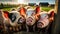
x=43, y=8
x=46, y=8
x=8, y=9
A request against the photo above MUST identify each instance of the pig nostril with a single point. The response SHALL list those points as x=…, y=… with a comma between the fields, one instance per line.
x=29, y=21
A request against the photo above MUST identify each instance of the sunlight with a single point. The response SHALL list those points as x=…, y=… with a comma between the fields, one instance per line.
x=20, y=1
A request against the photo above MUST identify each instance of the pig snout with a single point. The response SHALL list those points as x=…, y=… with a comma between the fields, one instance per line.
x=39, y=24
x=29, y=21
x=43, y=23
x=21, y=20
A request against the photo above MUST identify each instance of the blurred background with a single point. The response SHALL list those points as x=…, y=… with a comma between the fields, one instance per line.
x=45, y=5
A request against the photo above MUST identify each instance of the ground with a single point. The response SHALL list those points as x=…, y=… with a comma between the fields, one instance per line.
x=22, y=32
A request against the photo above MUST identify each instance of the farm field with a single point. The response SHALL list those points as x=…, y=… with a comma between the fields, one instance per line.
x=42, y=8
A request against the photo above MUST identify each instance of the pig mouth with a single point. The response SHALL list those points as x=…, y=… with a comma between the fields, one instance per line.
x=39, y=24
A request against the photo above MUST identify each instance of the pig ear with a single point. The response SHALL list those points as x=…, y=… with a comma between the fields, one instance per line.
x=6, y=14
x=37, y=9
x=52, y=10
x=51, y=13
x=22, y=11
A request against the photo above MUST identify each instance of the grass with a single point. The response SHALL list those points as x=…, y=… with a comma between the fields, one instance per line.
x=8, y=9
x=46, y=8
x=43, y=8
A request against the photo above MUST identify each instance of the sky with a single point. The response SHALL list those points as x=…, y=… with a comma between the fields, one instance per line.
x=37, y=1
x=29, y=1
